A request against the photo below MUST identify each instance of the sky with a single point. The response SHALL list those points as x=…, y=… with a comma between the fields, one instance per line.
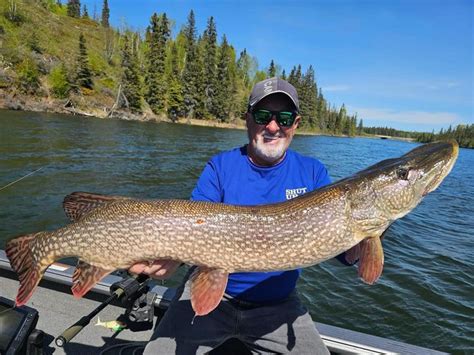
x=406, y=64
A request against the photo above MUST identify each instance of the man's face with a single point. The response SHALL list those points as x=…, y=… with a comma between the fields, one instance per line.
x=268, y=143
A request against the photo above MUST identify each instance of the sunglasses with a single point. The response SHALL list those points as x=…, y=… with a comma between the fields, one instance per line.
x=283, y=118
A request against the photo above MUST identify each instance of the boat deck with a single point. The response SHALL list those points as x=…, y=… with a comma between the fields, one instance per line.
x=58, y=310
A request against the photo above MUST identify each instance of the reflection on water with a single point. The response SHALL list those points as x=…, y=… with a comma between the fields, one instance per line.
x=424, y=296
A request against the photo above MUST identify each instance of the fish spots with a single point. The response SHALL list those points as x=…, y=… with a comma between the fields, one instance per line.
x=200, y=221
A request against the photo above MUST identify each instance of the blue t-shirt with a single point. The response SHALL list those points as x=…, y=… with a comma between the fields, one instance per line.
x=230, y=177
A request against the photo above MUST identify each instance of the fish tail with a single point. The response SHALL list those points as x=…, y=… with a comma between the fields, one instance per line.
x=24, y=262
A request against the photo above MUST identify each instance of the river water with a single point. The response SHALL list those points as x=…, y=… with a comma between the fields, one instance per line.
x=424, y=297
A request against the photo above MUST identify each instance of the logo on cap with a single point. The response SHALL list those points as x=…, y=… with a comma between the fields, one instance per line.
x=268, y=87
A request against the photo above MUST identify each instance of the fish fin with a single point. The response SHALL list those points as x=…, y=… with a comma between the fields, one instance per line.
x=353, y=254
x=207, y=288
x=371, y=259
x=85, y=277
x=79, y=204
x=24, y=262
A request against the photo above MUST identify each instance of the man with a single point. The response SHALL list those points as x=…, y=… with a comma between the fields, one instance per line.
x=263, y=310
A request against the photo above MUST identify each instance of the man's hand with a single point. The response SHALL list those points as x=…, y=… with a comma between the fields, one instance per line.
x=159, y=269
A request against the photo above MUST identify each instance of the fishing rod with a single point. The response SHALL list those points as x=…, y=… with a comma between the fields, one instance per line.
x=128, y=290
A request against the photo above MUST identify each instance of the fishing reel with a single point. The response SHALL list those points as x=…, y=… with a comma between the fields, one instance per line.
x=133, y=293
x=137, y=299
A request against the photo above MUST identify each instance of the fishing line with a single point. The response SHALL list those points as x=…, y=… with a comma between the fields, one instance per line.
x=23, y=177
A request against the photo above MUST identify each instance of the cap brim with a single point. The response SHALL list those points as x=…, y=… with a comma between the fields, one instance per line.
x=275, y=92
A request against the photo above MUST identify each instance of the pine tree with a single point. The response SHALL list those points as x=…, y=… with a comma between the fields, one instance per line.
x=155, y=79
x=83, y=75
x=130, y=80
x=85, y=14
x=210, y=66
x=360, y=128
x=175, y=95
x=191, y=68
x=271, y=69
x=223, y=96
x=244, y=68
x=340, y=120
x=283, y=75
x=321, y=112
x=105, y=14
x=200, y=110
x=308, y=98
x=74, y=8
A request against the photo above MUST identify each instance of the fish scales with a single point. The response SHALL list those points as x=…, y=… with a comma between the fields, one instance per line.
x=232, y=238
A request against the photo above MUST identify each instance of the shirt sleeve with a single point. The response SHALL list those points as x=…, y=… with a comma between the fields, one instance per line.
x=208, y=186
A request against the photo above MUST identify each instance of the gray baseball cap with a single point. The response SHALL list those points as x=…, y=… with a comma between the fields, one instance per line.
x=272, y=86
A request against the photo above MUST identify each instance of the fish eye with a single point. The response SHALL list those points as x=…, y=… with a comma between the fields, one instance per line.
x=402, y=173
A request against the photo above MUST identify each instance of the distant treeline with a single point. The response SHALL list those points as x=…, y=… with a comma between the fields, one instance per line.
x=463, y=134
x=386, y=131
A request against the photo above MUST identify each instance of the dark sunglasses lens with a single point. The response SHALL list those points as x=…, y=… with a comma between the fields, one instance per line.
x=262, y=116
x=286, y=118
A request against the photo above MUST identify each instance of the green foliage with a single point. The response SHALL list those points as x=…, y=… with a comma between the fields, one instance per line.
x=85, y=14
x=159, y=34
x=210, y=66
x=131, y=83
x=224, y=90
x=13, y=14
x=33, y=43
x=272, y=69
x=105, y=14
x=28, y=76
x=83, y=75
x=59, y=82
x=74, y=8
x=175, y=95
x=308, y=98
x=463, y=134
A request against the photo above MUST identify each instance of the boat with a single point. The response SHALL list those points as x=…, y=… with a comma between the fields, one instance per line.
x=39, y=327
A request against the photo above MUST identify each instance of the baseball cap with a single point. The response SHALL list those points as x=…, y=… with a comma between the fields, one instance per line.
x=272, y=86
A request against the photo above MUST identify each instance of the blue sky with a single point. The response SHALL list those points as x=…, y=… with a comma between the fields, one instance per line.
x=403, y=64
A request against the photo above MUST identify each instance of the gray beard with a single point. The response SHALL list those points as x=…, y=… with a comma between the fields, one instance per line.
x=269, y=154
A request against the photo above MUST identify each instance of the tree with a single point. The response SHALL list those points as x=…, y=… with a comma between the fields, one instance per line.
x=83, y=75
x=191, y=68
x=130, y=80
x=105, y=14
x=85, y=14
x=159, y=34
x=360, y=128
x=175, y=95
x=308, y=97
x=210, y=66
x=271, y=69
x=223, y=95
x=59, y=82
x=28, y=76
x=74, y=8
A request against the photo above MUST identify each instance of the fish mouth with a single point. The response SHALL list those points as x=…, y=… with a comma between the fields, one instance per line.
x=435, y=161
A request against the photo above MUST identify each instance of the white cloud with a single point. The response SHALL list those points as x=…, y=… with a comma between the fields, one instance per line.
x=337, y=87
x=416, y=117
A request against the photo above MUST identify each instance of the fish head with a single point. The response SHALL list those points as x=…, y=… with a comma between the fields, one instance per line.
x=391, y=188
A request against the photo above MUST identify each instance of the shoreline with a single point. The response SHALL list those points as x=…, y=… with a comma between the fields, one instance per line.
x=76, y=106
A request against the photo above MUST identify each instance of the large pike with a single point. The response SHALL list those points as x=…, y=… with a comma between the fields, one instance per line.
x=111, y=233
